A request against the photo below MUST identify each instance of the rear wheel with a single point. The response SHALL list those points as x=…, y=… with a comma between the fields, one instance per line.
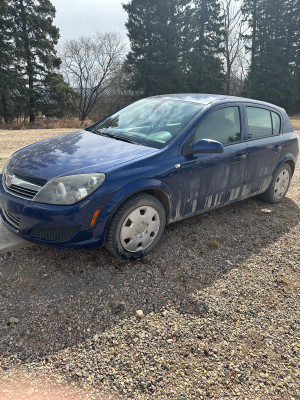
x=136, y=227
x=278, y=186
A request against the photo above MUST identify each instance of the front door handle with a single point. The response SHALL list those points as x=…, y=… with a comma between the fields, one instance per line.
x=240, y=157
x=276, y=148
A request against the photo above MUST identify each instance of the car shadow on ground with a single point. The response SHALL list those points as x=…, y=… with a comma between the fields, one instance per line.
x=61, y=298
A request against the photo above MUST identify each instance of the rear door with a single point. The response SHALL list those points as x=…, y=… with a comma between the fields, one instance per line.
x=265, y=144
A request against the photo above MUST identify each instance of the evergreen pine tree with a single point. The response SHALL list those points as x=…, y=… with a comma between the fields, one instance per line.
x=55, y=97
x=8, y=62
x=156, y=30
x=205, y=46
x=274, y=35
x=35, y=40
x=293, y=53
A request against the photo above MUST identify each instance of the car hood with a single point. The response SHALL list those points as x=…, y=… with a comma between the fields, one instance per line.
x=73, y=153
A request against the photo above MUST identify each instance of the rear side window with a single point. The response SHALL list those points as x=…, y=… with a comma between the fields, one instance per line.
x=262, y=123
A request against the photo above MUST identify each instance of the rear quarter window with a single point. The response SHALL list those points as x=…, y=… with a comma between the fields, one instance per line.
x=276, y=123
x=262, y=123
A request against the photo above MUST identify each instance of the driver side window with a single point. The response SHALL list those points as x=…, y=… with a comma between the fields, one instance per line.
x=224, y=125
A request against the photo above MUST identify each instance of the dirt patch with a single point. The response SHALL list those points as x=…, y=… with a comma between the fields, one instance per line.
x=220, y=301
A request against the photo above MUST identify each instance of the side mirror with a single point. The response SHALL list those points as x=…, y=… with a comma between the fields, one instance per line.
x=207, y=146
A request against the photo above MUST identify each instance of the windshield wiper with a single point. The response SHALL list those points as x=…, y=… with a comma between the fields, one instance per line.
x=124, y=139
x=100, y=132
x=111, y=135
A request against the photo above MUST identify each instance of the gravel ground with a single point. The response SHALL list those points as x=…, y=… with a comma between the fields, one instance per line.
x=212, y=312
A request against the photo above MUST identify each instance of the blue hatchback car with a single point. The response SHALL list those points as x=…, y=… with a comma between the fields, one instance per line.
x=154, y=162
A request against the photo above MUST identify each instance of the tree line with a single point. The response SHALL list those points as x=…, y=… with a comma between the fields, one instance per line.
x=248, y=48
x=29, y=77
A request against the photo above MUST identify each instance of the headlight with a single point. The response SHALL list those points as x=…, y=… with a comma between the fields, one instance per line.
x=69, y=189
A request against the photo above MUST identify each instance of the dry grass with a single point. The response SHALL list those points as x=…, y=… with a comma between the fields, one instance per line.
x=213, y=244
x=295, y=119
x=48, y=123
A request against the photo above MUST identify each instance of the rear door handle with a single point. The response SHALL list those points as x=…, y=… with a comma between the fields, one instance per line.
x=240, y=157
x=276, y=148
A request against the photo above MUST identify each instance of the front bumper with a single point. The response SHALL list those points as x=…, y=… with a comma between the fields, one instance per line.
x=52, y=225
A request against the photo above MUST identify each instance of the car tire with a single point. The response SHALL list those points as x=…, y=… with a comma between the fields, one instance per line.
x=136, y=227
x=279, y=185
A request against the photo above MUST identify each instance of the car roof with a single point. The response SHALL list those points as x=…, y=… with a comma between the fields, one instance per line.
x=208, y=99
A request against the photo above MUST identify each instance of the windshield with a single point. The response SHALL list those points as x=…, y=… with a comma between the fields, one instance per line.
x=149, y=122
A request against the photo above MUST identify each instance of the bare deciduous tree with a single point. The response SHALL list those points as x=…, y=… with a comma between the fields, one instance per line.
x=234, y=44
x=90, y=65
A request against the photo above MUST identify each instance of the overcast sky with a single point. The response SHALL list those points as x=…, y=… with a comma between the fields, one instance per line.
x=76, y=18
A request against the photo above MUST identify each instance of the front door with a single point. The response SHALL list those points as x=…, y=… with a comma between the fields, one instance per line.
x=211, y=180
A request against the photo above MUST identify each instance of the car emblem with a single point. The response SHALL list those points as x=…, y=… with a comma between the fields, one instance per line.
x=9, y=179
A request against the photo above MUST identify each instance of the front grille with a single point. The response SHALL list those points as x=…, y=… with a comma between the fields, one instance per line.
x=12, y=219
x=54, y=234
x=21, y=188
x=21, y=191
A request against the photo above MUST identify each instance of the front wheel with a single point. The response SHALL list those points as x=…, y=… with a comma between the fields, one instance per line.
x=136, y=227
x=278, y=186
